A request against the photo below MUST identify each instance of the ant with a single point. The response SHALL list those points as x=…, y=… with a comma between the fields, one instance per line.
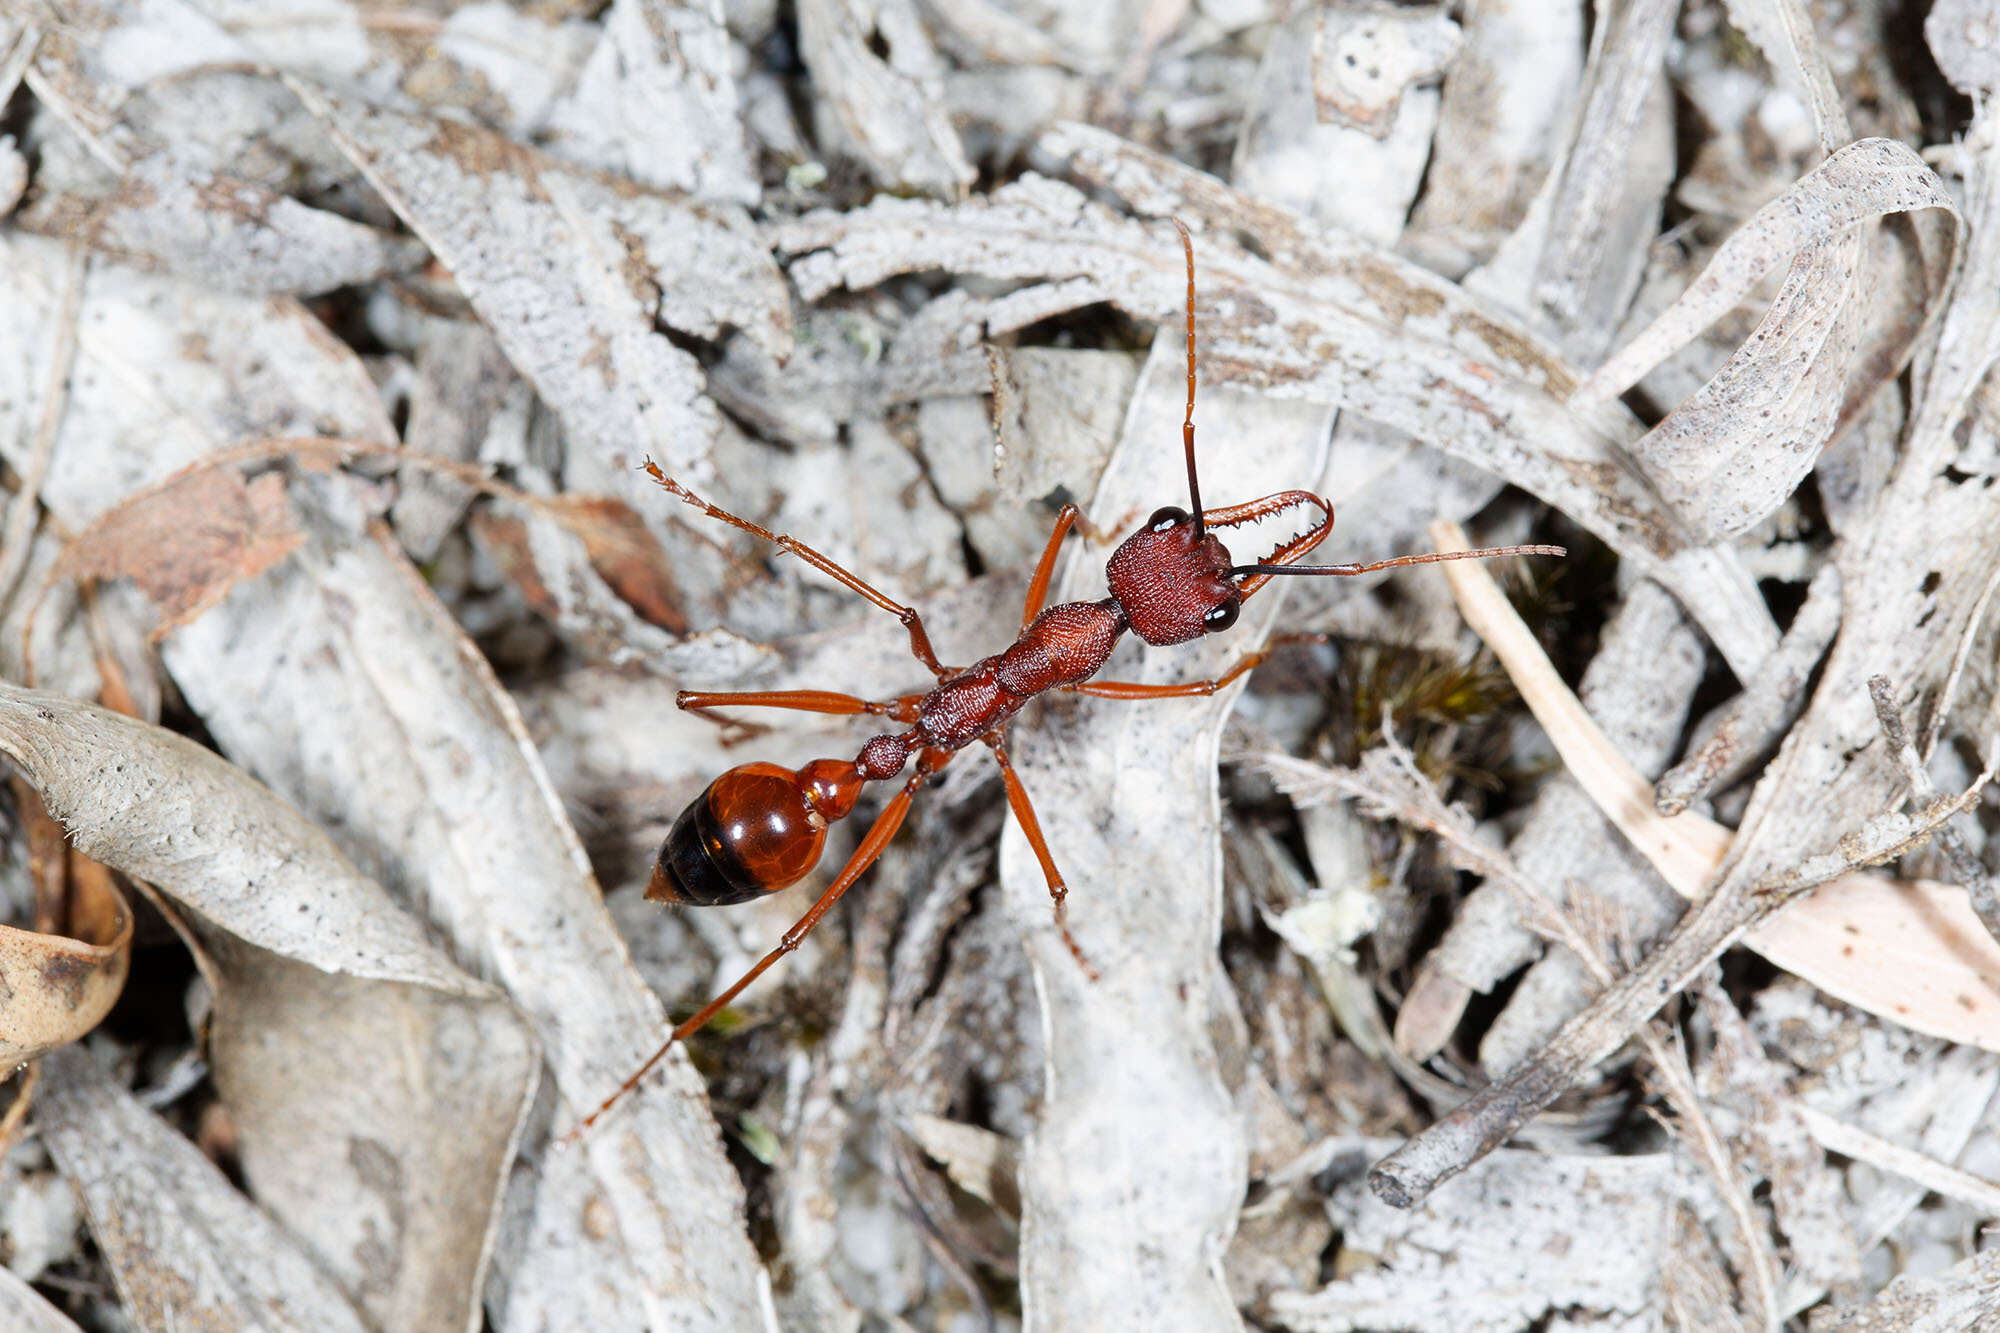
x=760, y=827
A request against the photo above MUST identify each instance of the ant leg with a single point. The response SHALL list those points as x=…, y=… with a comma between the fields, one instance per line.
x=920, y=642
x=1126, y=689
x=1024, y=811
x=902, y=709
x=878, y=837
x=1038, y=587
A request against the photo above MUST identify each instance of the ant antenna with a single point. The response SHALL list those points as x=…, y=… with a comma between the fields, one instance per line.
x=1187, y=423
x=1435, y=557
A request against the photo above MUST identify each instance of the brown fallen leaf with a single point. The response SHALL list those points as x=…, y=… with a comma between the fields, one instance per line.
x=58, y=981
x=187, y=543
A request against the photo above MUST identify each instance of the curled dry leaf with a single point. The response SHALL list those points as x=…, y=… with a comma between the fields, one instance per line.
x=1351, y=324
x=188, y=542
x=55, y=987
x=1732, y=453
x=186, y=1250
x=357, y=1152
x=1913, y=952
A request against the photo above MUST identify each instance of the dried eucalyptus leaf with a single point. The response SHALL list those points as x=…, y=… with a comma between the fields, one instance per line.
x=23, y=1309
x=1506, y=98
x=165, y=373
x=570, y=272
x=1126, y=1211
x=658, y=64
x=56, y=988
x=890, y=111
x=187, y=542
x=388, y=1139
x=338, y=677
x=1523, y=1236
x=1942, y=972
x=225, y=232
x=1359, y=328
x=186, y=1250
x=1734, y=451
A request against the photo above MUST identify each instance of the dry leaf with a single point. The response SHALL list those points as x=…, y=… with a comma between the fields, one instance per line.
x=1738, y=447
x=373, y=710
x=57, y=985
x=186, y=1250
x=358, y=1151
x=188, y=542
x=570, y=272
x=1360, y=328
x=22, y=1308
x=1914, y=953
x=165, y=373
x=1127, y=797
x=1526, y=1236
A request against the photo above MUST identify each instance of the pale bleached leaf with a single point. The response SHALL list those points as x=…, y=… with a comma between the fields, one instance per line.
x=300, y=932
x=1353, y=326
x=661, y=63
x=570, y=273
x=23, y=1308
x=1525, y=1236
x=373, y=710
x=889, y=110
x=165, y=373
x=1732, y=452
x=186, y=1250
x=222, y=232
x=1127, y=798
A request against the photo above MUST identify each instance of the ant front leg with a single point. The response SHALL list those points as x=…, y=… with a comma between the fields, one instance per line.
x=920, y=642
x=1045, y=568
x=1024, y=812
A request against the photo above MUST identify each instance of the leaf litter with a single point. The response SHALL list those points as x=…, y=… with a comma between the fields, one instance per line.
x=335, y=333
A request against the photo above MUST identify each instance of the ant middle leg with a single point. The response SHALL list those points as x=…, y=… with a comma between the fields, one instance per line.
x=1024, y=811
x=920, y=642
x=1129, y=689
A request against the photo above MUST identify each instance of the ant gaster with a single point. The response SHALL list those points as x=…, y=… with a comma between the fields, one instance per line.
x=760, y=827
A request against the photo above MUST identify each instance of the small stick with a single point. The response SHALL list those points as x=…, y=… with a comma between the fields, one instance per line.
x=1965, y=867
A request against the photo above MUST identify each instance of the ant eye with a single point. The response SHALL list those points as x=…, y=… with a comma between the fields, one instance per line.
x=1222, y=617
x=1168, y=517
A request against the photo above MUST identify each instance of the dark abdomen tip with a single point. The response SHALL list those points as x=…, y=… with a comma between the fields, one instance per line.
x=751, y=833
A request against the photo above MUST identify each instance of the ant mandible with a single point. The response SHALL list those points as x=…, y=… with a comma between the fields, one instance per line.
x=760, y=827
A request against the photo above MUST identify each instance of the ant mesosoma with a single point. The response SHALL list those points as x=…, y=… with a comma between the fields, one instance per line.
x=760, y=827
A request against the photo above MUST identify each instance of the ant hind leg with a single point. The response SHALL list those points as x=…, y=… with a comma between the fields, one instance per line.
x=1024, y=811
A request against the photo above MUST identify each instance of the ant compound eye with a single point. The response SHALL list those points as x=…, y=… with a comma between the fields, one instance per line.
x=1167, y=517
x=1222, y=617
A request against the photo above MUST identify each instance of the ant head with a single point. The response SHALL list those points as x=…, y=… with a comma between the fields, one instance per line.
x=1172, y=580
